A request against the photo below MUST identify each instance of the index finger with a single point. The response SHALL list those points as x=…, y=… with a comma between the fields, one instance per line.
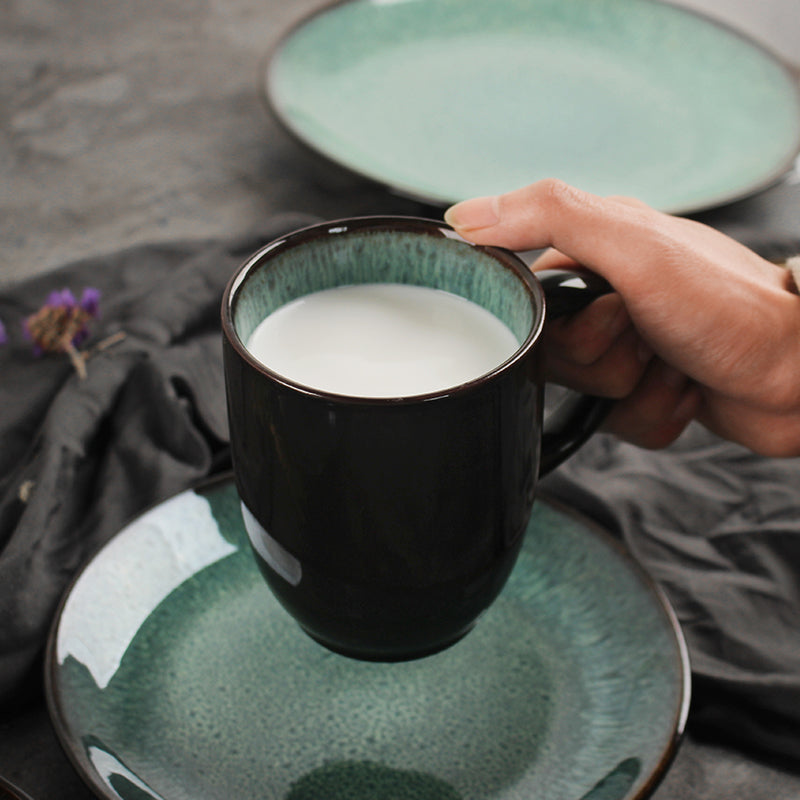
x=613, y=237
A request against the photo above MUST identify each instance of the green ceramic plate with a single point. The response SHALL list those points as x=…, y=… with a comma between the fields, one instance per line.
x=447, y=99
x=172, y=673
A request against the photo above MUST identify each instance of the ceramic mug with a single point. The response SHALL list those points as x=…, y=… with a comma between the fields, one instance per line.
x=387, y=525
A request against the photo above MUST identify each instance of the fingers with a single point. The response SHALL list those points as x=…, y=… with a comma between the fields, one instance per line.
x=655, y=402
x=597, y=350
x=584, y=337
x=611, y=236
x=615, y=374
x=658, y=410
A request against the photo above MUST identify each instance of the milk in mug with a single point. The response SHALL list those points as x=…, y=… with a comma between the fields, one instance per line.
x=382, y=340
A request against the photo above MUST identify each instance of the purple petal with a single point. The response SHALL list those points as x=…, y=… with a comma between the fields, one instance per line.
x=64, y=298
x=90, y=301
x=3, y=334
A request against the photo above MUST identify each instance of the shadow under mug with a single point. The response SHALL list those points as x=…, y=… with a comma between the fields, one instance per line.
x=386, y=526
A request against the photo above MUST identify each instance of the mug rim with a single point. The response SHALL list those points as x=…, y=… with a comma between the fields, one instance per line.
x=342, y=226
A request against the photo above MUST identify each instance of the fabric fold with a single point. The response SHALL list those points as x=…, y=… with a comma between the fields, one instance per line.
x=82, y=457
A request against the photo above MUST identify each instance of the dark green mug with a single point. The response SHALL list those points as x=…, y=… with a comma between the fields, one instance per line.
x=386, y=526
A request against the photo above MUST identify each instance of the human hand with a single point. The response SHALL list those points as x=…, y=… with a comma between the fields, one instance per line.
x=700, y=326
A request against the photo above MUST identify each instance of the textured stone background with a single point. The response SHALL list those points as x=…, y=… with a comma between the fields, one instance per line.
x=141, y=120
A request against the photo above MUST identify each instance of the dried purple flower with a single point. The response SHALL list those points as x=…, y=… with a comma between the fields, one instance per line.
x=62, y=323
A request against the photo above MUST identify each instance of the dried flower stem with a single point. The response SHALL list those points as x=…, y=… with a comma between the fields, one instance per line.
x=77, y=358
x=109, y=341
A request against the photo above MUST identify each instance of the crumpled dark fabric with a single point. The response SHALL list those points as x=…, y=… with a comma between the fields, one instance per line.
x=717, y=527
x=79, y=458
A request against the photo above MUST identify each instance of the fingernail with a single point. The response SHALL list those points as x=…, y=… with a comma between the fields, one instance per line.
x=480, y=212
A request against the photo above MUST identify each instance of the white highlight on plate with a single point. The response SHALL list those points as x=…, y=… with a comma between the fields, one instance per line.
x=108, y=767
x=128, y=579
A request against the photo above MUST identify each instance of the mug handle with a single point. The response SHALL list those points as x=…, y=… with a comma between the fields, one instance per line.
x=577, y=416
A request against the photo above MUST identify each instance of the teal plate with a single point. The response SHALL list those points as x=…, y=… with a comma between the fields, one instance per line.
x=442, y=100
x=172, y=673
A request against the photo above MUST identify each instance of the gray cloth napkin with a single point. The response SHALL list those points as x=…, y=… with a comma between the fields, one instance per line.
x=81, y=457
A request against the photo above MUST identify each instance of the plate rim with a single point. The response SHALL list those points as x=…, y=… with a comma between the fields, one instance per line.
x=677, y=725
x=11, y=790
x=720, y=199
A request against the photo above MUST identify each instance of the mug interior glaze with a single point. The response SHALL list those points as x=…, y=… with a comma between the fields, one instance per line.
x=361, y=251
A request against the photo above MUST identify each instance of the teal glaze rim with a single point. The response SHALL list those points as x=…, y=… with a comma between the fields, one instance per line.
x=385, y=223
x=677, y=725
x=768, y=180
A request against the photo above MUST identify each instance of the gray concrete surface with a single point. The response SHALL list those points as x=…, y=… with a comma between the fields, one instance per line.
x=141, y=120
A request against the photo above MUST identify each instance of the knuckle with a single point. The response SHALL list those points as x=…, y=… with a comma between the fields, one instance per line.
x=634, y=202
x=557, y=192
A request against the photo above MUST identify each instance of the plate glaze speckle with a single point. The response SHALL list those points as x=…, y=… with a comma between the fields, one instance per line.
x=452, y=99
x=173, y=673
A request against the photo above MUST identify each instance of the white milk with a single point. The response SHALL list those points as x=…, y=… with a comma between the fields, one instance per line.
x=381, y=340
